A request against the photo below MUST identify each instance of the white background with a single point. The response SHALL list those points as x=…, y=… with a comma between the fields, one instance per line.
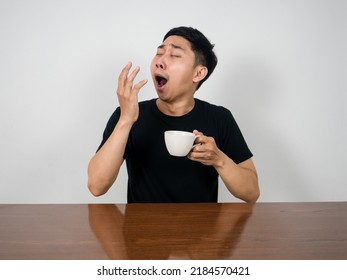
x=281, y=71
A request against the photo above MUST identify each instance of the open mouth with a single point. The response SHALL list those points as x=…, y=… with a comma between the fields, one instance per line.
x=160, y=80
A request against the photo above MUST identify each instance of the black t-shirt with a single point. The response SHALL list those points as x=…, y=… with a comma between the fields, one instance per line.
x=156, y=176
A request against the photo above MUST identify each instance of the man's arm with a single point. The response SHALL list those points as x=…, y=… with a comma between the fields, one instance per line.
x=240, y=179
x=104, y=166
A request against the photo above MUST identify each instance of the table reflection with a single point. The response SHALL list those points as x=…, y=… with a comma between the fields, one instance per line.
x=180, y=231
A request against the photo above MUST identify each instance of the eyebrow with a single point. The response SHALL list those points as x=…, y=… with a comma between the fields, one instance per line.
x=162, y=46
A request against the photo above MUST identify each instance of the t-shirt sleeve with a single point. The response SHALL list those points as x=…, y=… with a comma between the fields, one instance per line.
x=234, y=144
x=110, y=127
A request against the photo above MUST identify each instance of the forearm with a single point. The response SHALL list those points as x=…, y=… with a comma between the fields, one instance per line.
x=104, y=166
x=240, y=179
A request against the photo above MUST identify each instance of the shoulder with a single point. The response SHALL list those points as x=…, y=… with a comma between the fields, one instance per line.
x=213, y=109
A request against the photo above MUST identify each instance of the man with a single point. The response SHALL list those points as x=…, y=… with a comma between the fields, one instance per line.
x=135, y=132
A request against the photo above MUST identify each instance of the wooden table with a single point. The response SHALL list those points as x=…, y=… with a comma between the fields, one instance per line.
x=273, y=231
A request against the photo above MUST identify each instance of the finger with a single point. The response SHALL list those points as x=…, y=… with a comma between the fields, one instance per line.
x=198, y=148
x=139, y=85
x=199, y=135
x=123, y=75
x=194, y=156
x=202, y=139
x=196, y=132
x=132, y=76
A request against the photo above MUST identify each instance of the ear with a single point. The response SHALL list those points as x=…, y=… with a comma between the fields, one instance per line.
x=200, y=73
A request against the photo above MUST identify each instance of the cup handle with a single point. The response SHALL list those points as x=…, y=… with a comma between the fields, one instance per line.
x=197, y=144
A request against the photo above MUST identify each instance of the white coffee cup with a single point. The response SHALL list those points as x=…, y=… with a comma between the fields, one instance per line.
x=179, y=143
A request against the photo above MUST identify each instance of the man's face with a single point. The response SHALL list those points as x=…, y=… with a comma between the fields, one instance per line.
x=173, y=69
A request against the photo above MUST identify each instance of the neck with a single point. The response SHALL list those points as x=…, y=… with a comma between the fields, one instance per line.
x=175, y=109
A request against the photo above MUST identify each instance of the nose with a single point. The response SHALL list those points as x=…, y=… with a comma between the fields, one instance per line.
x=160, y=63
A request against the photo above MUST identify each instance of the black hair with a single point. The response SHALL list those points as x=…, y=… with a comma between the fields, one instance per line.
x=200, y=45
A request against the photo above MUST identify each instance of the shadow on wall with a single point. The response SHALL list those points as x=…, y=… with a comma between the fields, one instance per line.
x=256, y=90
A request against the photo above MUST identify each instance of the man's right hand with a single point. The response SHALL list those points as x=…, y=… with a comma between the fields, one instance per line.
x=104, y=166
x=128, y=93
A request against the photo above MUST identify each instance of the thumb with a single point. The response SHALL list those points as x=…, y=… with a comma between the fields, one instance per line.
x=197, y=132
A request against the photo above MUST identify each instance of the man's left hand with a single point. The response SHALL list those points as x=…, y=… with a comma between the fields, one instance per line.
x=207, y=152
